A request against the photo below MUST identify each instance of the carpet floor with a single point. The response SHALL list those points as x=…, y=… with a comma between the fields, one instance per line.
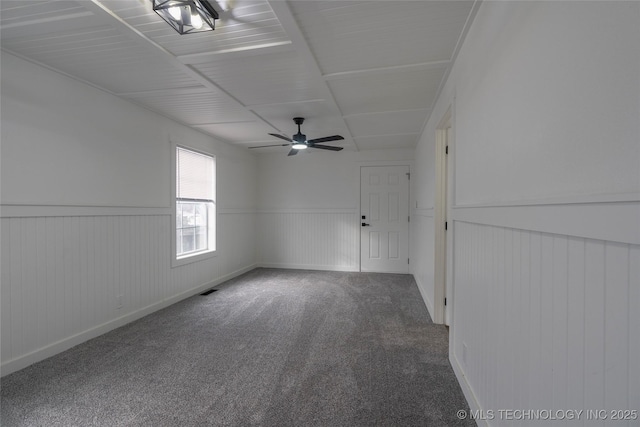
x=269, y=348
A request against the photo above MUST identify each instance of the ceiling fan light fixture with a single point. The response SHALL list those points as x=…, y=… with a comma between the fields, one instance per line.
x=299, y=140
x=187, y=16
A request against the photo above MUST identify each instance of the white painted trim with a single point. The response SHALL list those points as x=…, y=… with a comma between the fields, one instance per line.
x=431, y=65
x=39, y=21
x=69, y=342
x=452, y=61
x=236, y=52
x=309, y=267
x=614, y=222
x=566, y=200
x=236, y=211
x=309, y=211
x=55, y=70
x=442, y=211
x=467, y=390
x=30, y=211
x=429, y=213
x=425, y=297
x=385, y=163
x=370, y=113
x=173, y=91
x=285, y=16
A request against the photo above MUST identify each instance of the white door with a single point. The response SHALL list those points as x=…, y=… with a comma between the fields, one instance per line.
x=384, y=230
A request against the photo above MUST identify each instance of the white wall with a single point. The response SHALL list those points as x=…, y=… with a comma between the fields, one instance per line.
x=308, y=207
x=546, y=208
x=85, y=228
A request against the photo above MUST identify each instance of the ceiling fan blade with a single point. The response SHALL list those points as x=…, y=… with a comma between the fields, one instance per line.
x=293, y=152
x=281, y=137
x=272, y=145
x=326, y=139
x=326, y=147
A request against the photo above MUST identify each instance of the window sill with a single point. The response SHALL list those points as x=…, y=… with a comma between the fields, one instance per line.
x=178, y=262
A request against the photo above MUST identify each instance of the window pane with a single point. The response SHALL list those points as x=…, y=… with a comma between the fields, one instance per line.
x=195, y=202
x=188, y=240
x=201, y=214
x=201, y=238
x=188, y=215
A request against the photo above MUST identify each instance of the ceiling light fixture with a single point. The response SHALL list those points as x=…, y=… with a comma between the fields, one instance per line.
x=299, y=140
x=187, y=16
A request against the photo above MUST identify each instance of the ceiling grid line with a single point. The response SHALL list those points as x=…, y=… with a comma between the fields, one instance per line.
x=369, y=71
x=286, y=18
x=187, y=69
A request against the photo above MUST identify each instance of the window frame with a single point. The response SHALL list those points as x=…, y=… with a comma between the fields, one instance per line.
x=177, y=261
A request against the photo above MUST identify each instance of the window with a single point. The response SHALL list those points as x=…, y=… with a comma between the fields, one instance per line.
x=195, y=203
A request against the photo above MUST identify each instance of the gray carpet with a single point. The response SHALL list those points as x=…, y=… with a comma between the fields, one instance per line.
x=269, y=348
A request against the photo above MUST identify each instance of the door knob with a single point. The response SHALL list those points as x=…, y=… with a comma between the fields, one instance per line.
x=364, y=224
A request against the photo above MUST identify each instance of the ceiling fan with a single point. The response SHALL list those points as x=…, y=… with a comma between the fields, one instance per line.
x=300, y=142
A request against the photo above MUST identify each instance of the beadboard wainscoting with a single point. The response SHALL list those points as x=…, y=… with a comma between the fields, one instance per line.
x=71, y=273
x=422, y=253
x=317, y=239
x=547, y=320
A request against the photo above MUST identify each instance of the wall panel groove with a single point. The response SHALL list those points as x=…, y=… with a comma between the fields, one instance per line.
x=68, y=278
x=548, y=311
x=324, y=239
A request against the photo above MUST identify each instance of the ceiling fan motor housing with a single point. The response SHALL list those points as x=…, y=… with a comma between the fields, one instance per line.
x=299, y=141
x=300, y=138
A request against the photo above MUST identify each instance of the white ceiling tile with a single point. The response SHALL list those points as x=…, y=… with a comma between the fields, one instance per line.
x=196, y=107
x=103, y=57
x=238, y=132
x=400, y=90
x=318, y=114
x=248, y=22
x=387, y=142
x=386, y=61
x=263, y=79
x=346, y=35
x=387, y=123
x=27, y=12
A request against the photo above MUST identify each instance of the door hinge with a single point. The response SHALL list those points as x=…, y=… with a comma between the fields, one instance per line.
x=409, y=176
x=445, y=301
x=409, y=218
x=445, y=225
x=446, y=150
x=407, y=260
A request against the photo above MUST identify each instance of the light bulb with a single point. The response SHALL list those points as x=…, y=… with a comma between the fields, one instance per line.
x=299, y=146
x=175, y=13
x=196, y=21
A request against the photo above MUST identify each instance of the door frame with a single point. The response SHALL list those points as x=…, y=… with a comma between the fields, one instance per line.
x=442, y=214
x=360, y=165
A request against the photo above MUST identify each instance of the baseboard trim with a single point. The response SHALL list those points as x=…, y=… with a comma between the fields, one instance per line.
x=52, y=349
x=425, y=297
x=474, y=406
x=308, y=267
